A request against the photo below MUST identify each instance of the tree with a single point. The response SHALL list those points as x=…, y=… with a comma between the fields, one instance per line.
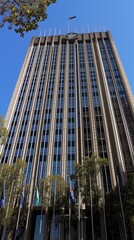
x=87, y=173
x=85, y=177
x=128, y=197
x=13, y=176
x=113, y=205
x=3, y=132
x=52, y=195
x=52, y=190
x=23, y=15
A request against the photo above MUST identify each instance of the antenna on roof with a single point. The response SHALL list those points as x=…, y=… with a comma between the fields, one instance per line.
x=95, y=29
x=54, y=31
x=104, y=28
x=49, y=31
x=59, y=31
x=40, y=33
x=44, y=33
x=82, y=29
x=76, y=30
x=88, y=28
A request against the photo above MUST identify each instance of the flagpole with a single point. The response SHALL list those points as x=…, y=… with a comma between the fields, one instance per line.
x=3, y=205
x=54, y=208
x=17, y=223
x=91, y=199
x=4, y=229
x=79, y=225
x=20, y=206
x=68, y=25
x=70, y=18
x=122, y=210
x=72, y=200
x=104, y=211
x=9, y=198
x=69, y=211
x=69, y=218
x=40, y=229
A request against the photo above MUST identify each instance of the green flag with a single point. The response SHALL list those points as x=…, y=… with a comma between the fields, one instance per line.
x=37, y=197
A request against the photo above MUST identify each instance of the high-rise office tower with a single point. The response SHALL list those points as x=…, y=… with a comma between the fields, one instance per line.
x=72, y=99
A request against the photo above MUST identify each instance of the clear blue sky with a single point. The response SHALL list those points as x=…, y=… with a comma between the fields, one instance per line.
x=95, y=15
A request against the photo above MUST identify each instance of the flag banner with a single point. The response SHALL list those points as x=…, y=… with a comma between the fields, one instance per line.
x=72, y=197
x=22, y=197
x=36, y=197
x=72, y=17
x=2, y=201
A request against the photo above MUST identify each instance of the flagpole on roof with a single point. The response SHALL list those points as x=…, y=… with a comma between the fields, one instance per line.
x=68, y=25
x=49, y=31
x=70, y=18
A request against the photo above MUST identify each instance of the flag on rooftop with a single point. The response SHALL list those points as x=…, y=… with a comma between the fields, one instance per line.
x=72, y=197
x=72, y=17
x=3, y=196
x=22, y=197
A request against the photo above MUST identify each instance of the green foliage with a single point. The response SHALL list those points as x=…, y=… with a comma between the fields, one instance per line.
x=128, y=197
x=113, y=205
x=113, y=208
x=86, y=172
x=13, y=175
x=11, y=224
x=23, y=15
x=3, y=132
x=52, y=188
x=12, y=172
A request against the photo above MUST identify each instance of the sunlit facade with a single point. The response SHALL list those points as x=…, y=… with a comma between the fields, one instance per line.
x=72, y=99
